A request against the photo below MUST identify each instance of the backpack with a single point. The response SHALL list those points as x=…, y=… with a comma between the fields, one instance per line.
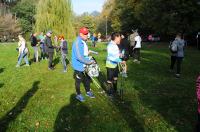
x=173, y=47
x=33, y=41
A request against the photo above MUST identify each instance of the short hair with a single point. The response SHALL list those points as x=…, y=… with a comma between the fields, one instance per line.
x=114, y=35
x=178, y=35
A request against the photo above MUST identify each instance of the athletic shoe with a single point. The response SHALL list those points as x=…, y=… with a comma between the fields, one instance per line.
x=178, y=75
x=80, y=98
x=90, y=94
x=65, y=71
x=135, y=60
x=27, y=65
x=124, y=75
x=51, y=68
x=17, y=65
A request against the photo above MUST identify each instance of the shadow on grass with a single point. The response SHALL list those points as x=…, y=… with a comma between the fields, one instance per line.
x=124, y=107
x=73, y=117
x=2, y=70
x=18, y=109
x=158, y=90
x=1, y=85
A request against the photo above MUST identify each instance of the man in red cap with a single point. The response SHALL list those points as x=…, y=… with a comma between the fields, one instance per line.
x=79, y=60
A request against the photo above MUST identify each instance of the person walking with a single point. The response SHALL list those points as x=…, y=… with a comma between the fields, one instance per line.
x=23, y=51
x=50, y=49
x=136, y=48
x=79, y=60
x=177, y=50
x=34, y=44
x=64, y=51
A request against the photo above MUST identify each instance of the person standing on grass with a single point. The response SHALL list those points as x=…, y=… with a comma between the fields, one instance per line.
x=23, y=51
x=132, y=42
x=112, y=61
x=124, y=50
x=94, y=40
x=79, y=60
x=42, y=45
x=64, y=51
x=34, y=44
x=177, y=50
x=136, y=48
x=50, y=49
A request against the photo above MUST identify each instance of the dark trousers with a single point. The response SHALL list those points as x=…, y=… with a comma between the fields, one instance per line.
x=50, y=54
x=81, y=77
x=131, y=51
x=175, y=59
x=136, y=54
x=43, y=54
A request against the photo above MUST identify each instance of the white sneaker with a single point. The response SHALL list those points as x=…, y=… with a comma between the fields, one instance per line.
x=17, y=65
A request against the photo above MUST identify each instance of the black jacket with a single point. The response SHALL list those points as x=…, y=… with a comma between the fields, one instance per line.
x=49, y=45
x=33, y=41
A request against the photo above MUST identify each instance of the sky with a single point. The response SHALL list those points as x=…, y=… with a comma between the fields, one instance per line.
x=81, y=6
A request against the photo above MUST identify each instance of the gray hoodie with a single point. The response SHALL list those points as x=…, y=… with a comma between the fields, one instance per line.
x=180, y=47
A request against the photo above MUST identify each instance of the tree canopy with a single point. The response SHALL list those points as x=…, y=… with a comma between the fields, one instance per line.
x=55, y=15
x=160, y=16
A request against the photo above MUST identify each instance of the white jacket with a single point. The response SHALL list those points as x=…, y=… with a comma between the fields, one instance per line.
x=138, y=42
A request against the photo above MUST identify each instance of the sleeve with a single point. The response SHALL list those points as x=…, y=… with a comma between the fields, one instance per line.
x=80, y=54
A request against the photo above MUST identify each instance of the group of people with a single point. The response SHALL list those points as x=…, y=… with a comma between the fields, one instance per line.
x=45, y=44
x=119, y=49
x=117, y=54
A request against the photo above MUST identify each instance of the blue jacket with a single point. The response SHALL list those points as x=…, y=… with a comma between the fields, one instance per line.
x=78, y=58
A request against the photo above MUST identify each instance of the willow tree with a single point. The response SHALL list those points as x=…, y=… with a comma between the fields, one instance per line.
x=55, y=15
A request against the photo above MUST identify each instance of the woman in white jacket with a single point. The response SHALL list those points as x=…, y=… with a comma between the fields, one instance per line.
x=136, y=49
x=23, y=51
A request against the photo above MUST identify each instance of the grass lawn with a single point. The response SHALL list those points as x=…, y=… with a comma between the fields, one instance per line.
x=36, y=99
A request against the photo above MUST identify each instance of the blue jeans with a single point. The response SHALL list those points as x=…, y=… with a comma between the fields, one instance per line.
x=64, y=61
x=22, y=55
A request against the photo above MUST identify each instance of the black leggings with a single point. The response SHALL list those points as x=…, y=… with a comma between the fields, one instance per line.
x=81, y=77
x=175, y=59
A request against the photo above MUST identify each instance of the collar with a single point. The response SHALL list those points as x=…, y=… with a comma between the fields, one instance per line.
x=112, y=42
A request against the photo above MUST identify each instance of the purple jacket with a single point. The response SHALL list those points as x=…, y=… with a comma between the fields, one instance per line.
x=198, y=92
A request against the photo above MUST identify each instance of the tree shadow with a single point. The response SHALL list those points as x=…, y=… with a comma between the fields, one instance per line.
x=74, y=117
x=1, y=85
x=160, y=91
x=18, y=108
x=124, y=106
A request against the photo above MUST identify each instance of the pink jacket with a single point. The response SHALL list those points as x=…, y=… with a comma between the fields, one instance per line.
x=198, y=92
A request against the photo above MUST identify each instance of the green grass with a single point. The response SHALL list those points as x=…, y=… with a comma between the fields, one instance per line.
x=35, y=99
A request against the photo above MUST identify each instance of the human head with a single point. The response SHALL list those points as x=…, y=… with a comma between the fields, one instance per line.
x=49, y=33
x=20, y=37
x=61, y=37
x=178, y=35
x=35, y=34
x=116, y=37
x=83, y=33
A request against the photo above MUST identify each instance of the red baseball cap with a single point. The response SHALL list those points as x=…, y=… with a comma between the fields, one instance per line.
x=84, y=31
